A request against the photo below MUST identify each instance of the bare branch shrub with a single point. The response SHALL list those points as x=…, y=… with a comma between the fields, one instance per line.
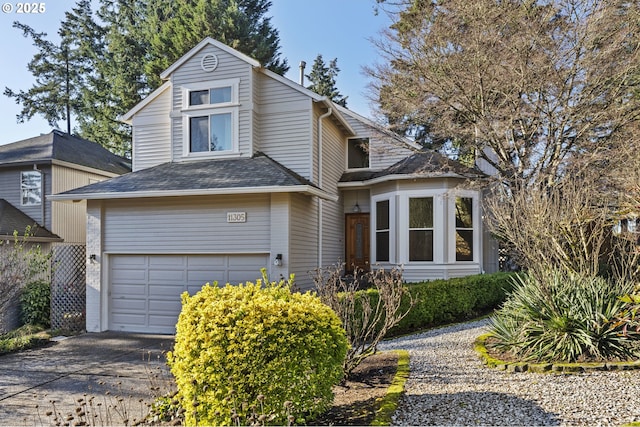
x=366, y=314
x=19, y=264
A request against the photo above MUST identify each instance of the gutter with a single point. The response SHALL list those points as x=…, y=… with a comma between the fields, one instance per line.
x=308, y=189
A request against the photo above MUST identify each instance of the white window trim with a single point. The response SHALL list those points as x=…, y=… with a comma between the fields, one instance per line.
x=213, y=84
x=477, y=225
x=391, y=197
x=232, y=107
x=22, y=203
x=438, y=226
x=208, y=112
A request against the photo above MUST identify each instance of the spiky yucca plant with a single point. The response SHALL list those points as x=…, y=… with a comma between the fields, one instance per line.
x=565, y=317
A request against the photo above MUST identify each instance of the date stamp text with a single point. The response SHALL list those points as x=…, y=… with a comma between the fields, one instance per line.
x=24, y=8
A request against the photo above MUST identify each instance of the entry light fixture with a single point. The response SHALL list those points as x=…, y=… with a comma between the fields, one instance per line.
x=356, y=208
x=278, y=261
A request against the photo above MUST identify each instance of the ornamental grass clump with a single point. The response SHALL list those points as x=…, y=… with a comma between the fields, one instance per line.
x=256, y=353
x=565, y=317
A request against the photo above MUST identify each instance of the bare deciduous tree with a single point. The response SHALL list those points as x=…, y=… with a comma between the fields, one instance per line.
x=526, y=85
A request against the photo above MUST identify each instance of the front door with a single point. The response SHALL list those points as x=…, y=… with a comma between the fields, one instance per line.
x=357, y=241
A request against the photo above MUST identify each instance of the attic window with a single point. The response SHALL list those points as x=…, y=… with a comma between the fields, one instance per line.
x=31, y=188
x=218, y=95
x=358, y=153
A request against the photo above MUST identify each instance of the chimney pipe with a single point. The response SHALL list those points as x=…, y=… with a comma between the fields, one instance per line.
x=302, y=65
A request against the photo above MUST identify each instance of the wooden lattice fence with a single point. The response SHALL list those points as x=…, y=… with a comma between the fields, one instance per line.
x=68, y=288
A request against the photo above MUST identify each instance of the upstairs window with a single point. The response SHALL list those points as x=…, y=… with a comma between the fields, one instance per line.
x=31, y=188
x=357, y=153
x=210, y=117
x=210, y=133
x=218, y=95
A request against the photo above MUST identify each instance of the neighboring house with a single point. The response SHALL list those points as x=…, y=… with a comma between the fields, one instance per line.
x=33, y=169
x=236, y=168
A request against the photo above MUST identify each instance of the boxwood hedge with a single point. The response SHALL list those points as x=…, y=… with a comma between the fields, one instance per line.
x=440, y=302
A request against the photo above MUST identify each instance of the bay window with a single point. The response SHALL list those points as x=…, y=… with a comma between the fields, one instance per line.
x=421, y=229
x=464, y=228
x=382, y=230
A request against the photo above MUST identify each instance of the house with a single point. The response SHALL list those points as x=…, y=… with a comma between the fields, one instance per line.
x=34, y=168
x=236, y=169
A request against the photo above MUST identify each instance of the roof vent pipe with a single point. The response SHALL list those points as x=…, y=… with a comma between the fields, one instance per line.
x=302, y=65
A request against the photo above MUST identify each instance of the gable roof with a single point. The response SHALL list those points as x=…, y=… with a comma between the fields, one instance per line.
x=62, y=147
x=197, y=48
x=258, y=174
x=13, y=219
x=421, y=164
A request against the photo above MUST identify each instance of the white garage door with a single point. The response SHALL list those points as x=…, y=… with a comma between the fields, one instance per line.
x=144, y=290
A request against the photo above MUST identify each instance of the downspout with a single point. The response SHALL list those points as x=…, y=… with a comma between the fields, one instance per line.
x=320, y=225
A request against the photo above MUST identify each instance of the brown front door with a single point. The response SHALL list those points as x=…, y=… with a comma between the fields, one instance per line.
x=357, y=241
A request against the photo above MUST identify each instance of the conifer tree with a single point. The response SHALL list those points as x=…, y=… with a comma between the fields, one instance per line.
x=106, y=64
x=323, y=80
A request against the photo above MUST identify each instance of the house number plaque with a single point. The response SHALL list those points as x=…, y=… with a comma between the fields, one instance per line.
x=236, y=217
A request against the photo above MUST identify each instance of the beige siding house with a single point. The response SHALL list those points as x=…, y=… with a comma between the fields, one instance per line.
x=236, y=169
x=33, y=169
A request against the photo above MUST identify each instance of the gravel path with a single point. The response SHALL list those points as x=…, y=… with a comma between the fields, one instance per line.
x=448, y=385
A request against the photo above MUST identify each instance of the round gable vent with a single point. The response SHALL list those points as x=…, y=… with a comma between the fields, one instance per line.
x=209, y=62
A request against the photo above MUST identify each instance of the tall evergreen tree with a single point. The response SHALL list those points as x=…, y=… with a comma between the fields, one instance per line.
x=61, y=69
x=115, y=63
x=241, y=24
x=323, y=80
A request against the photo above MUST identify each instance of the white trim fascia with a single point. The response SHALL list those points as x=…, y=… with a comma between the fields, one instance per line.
x=293, y=85
x=332, y=106
x=208, y=41
x=84, y=168
x=313, y=191
x=128, y=116
x=387, y=178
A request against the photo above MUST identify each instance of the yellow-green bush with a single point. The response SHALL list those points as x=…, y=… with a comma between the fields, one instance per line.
x=248, y=351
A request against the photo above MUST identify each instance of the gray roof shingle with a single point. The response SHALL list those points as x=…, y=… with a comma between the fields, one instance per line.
x=427, y=164
x=58, y=145
x=13, y=219
x=257, y=171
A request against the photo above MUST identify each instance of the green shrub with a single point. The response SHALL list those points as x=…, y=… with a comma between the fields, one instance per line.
x=440, y=302
x=563, y=317
x=247, y=351
x=35, y=304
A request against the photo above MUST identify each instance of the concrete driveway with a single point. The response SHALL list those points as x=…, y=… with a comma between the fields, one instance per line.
x=110, y=377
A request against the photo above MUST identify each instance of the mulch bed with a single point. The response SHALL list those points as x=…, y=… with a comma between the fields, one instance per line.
x=355, y=401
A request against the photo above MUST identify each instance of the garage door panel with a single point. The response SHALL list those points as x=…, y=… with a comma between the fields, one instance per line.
x=206, y=261
x=250, y=261
x=128, y=275
x=145, y=289
x=167, y=261
x=196, y=278
x=127, y=290
x=164, y=306
x=131, y=320
x=129, y=305
x=167, y=276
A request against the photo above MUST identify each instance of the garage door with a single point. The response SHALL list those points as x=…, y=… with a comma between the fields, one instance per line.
x=144, y=292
